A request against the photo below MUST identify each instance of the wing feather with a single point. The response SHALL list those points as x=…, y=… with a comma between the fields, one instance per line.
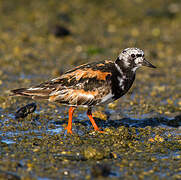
x=84, y=85
x=75, y=97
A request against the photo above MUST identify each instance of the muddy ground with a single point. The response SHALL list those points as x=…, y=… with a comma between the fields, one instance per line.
x=40, y=40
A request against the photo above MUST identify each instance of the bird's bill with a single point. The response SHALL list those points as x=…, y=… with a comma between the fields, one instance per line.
x=147, y=63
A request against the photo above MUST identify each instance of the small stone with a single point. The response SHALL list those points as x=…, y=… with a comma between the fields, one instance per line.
x=66, y=173
x=25, y=110
x=60, y=31
x=93, y=153
x=156, y=32
x=159, y=138
x=134, y=32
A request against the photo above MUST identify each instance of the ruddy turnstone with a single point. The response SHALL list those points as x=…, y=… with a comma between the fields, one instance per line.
x=90, y=84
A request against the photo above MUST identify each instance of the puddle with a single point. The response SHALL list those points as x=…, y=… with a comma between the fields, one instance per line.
x=7, y=141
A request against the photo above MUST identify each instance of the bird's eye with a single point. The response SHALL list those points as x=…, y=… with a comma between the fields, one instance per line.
x=133, y=55
x=138, y=55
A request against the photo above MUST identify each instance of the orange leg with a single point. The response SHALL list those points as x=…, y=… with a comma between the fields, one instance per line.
x=69, y=127
x=89, y=114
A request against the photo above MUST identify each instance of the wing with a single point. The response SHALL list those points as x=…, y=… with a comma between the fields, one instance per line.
x=83, y=85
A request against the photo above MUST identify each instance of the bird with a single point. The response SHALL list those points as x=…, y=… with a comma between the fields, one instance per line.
x=90, y=84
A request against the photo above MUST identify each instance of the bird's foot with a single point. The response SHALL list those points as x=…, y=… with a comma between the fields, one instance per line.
x=69, y=130
x=98, y=130
x=101, y=131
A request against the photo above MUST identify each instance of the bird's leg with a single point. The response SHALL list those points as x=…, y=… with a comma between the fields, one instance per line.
x=89, y=114
x=69, y=127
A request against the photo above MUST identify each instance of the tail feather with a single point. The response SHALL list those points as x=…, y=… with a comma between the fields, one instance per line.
x=19, y=92
x=33, y=93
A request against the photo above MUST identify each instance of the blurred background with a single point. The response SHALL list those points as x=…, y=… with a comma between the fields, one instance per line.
x=51, y=32
x=39, y=40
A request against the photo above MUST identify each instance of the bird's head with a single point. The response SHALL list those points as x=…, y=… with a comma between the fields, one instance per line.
x=132, y=58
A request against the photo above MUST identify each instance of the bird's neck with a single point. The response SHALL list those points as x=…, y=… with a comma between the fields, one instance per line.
x=124, y=68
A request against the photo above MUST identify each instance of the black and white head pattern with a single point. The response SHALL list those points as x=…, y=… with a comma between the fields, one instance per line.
x=131, y=58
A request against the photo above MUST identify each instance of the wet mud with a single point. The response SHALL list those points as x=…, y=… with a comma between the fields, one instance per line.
x=142, y=138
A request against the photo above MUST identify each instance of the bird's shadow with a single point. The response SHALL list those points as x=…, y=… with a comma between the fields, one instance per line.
x=139, y=123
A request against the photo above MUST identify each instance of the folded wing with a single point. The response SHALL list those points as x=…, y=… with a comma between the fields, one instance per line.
x=85, y=85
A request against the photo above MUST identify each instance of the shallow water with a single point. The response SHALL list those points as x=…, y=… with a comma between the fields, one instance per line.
x=142, y=138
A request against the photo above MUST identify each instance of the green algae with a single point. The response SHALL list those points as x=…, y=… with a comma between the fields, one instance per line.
x=142, y=136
